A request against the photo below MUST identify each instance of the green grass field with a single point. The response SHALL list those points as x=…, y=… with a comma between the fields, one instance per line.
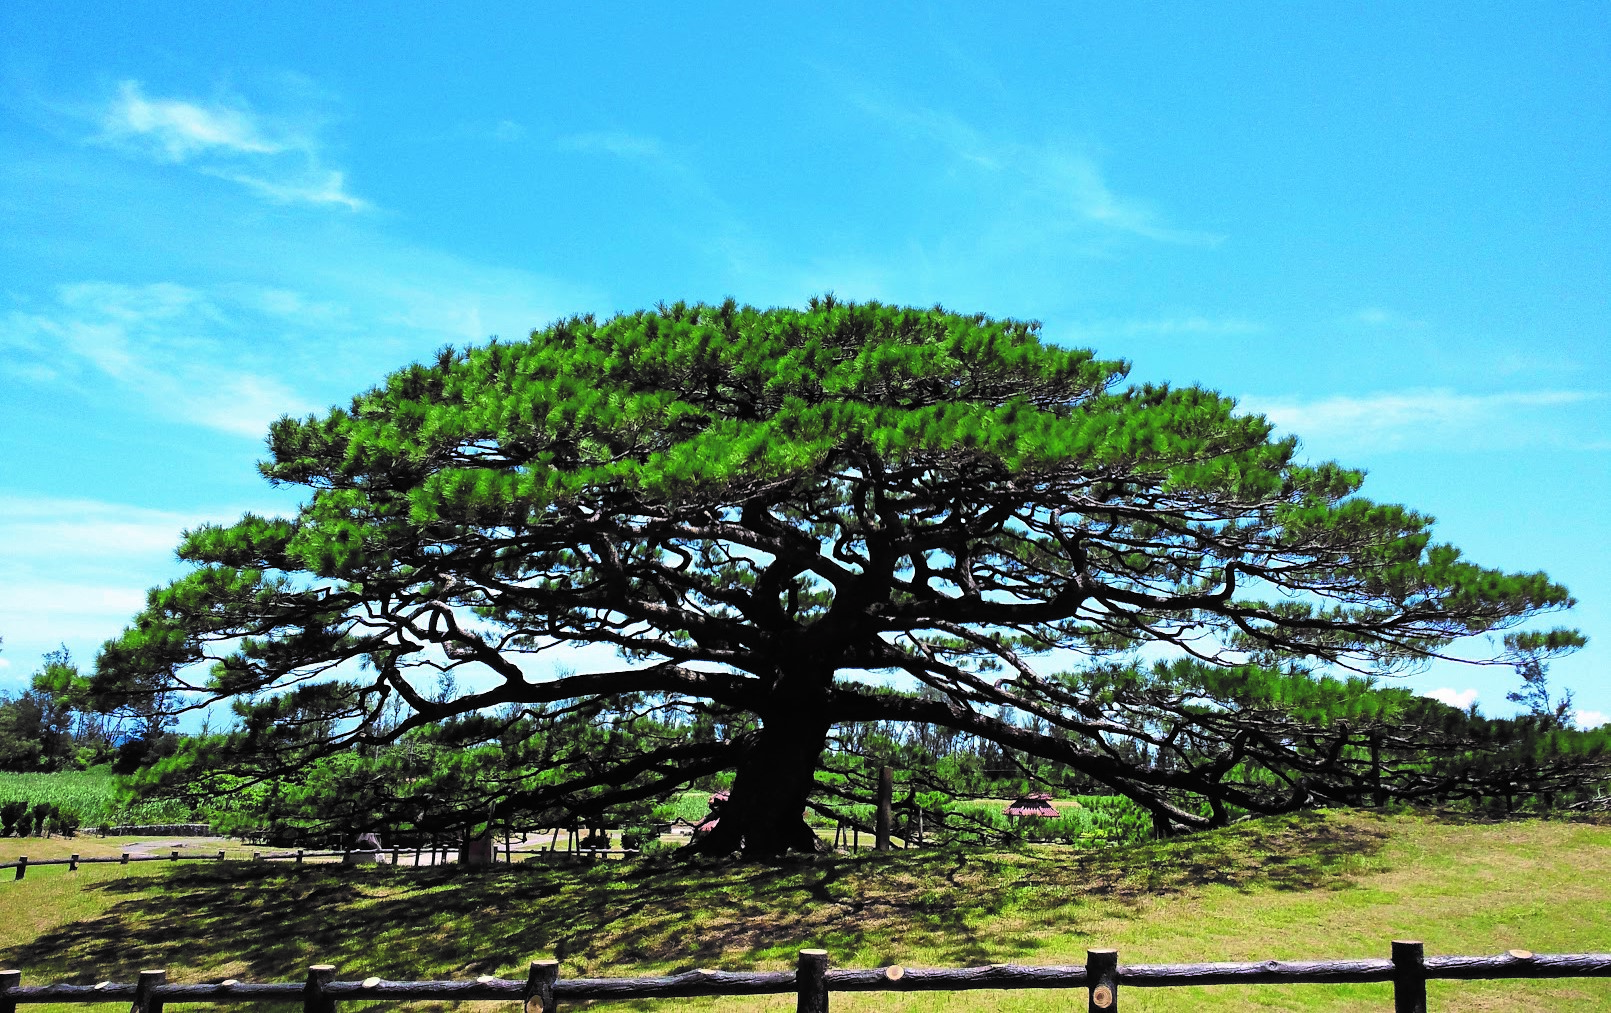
x=1313, y=886
x=92, y=794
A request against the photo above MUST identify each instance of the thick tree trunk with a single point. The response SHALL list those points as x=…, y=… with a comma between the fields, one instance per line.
x=765, y=813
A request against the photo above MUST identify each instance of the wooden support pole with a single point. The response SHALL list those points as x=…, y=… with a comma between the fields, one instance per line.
x=1378, y=795
x=1102, y=980
x=540, y=978
x=886, y=792
x=22, y=866
x=1409, y=976
x=811, y=982
x=145, y=997
x=8, y=981
x=394, y=856
x=314, y=997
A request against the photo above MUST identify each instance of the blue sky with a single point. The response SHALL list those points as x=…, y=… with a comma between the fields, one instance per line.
x=1388, y=230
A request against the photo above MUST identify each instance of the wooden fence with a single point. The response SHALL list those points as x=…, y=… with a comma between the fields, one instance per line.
x=433, y=856
x=157, y=830
x=812, y=982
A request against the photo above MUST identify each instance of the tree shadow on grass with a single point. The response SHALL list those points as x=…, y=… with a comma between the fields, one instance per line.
x=261, y=922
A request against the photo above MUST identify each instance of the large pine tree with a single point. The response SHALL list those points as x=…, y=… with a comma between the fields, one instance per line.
x=797, y=518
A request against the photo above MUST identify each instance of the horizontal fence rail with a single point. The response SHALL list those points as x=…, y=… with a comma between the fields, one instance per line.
x=152, y=829
x=447, y=856
x=812, y=982
x=22, y=865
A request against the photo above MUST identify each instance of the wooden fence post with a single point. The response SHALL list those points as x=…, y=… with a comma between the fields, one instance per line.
x=145, y=1000
x=1102, y=980
x=1378, y=794
x=314, y=999
x=72, y=864
x=220, y=854
x=174, y=857
x=9, y=980
x=22, y=866
x=124, y=859
x=886, y=791
x=1409, y=976
x=299, y=856
x=811, y=982
x=540, y=980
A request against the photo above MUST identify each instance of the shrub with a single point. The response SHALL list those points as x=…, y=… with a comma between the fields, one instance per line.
x=65, y=823
x=11, y=814
x=655, y=846
x=596, y=839
x=634, y=838
x=40, y=813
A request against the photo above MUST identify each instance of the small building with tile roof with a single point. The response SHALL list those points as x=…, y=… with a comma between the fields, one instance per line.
x=1036, y=803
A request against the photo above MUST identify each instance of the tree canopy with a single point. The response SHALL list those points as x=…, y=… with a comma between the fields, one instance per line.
x=786, y=521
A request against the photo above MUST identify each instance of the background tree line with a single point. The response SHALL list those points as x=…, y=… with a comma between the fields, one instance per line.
x=53, y=725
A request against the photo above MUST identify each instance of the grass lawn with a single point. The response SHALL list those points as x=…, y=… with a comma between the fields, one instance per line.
x=1314, y=886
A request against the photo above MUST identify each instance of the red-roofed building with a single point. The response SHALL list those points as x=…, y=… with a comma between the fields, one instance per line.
x=1036, y=803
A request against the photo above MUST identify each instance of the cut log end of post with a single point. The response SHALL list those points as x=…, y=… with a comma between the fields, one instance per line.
x=894, y=972
x=540, y=980
x=1101, y=980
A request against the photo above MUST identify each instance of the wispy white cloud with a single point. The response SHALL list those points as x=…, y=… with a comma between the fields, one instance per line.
x=233, y=356
x=1587, y=720
x=179, y=130
x=174, y=348
x=314, y=187
x=1377, y=316
x=614, y=142
x=1065, y=180
x=76, y=571
x=1461, y=698
x=1435, y=417
x=273, y=157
